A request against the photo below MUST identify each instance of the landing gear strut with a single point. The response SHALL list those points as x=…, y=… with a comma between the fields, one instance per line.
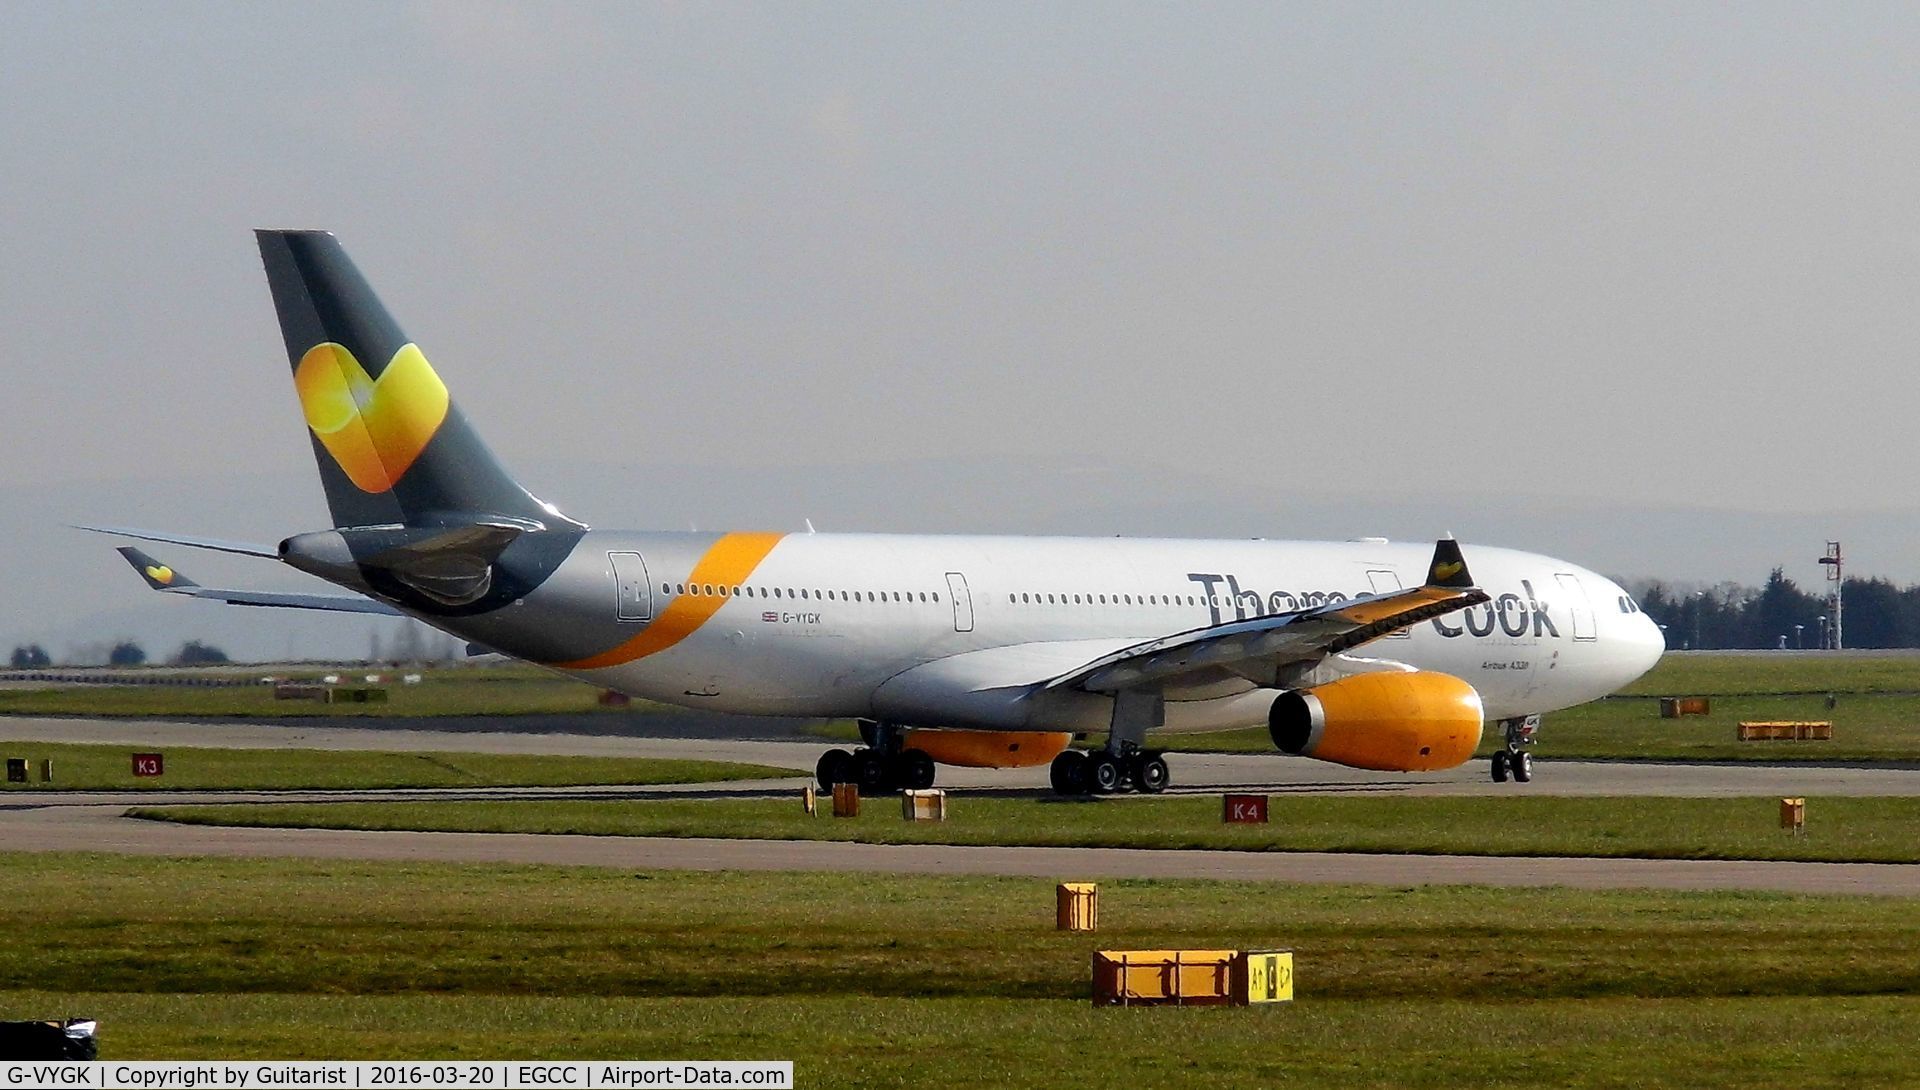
x=1514, y=760
x=1124, y=764
x=882, y=767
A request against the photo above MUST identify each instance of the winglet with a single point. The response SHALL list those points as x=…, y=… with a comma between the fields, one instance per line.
x=1449, y=568
x=158, y=576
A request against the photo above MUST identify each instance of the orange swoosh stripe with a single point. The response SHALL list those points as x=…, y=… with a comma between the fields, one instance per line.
x=727, y=563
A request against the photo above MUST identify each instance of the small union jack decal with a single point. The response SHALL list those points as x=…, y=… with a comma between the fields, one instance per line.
x=770, y=617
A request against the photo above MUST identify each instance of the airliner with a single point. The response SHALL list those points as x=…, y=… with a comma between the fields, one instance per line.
x=979, y=651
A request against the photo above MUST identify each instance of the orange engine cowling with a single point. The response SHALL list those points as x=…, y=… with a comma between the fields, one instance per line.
x=1398, y=722
x=988, y=748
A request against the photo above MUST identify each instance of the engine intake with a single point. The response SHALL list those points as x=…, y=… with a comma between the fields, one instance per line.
x=1388, y=722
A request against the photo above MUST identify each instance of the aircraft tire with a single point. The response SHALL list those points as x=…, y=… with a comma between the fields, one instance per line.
x=915, y=770
x=1105, y=774
x=1150, y=773
x=871, y=772
x=1522, y=765
x=1069, y=773
x=836, y=766
x=1500, y=767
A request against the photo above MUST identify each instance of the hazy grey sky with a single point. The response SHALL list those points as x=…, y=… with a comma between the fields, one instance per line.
x=1536, y=256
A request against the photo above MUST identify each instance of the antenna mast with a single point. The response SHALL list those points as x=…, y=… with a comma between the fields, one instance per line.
x=1835, y=579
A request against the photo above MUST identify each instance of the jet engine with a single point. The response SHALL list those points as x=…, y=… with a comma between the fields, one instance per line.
x=1391, y=722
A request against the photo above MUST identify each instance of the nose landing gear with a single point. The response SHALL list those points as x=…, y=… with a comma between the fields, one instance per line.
x=1514, y=760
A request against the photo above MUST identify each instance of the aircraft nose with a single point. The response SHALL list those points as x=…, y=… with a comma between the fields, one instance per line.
x=1645, y=643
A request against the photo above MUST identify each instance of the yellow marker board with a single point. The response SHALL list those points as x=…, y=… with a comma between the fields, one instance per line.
x=1269, y=976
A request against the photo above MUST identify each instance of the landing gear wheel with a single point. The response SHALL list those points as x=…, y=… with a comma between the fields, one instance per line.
x=1150, y=773
x=1500, y=766
x=1522, y=765
x=1105, y=774
x=915, y=770
x=836, y=766
x=1069, y=773
x=871, y=772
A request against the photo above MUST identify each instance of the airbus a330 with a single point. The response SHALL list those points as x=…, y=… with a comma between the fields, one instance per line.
x=980, y=651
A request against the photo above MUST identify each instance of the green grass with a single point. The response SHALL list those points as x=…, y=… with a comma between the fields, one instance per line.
x=479, y=690
x=106, y=767
x=1709, y=674
x=1841, y=829
x=1870, y=727
x=871, y=980
x=854, y=1042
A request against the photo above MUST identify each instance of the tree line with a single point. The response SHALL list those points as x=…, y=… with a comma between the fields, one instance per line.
x=1780, y=614
x=29, y=656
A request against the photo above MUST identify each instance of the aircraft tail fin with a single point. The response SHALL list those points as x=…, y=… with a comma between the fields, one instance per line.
x=392, y=447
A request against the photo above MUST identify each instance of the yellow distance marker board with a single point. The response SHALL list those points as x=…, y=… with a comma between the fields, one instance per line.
x=1269, y=976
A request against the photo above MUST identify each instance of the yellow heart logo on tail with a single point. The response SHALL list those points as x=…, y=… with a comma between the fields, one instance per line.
x=374, y=428
x=161, y=574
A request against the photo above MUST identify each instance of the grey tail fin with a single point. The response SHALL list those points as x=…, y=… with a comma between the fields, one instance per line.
x=392, y=447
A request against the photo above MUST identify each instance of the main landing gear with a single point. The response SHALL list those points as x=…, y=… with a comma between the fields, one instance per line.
x=1124, y=764
x=1514, y=760
x=1103, y=772
x=881, y=767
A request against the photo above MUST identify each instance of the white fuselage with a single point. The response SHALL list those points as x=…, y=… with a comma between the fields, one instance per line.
x=947, y=630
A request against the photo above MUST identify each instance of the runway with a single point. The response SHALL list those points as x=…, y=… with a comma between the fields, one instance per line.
x=94, y=821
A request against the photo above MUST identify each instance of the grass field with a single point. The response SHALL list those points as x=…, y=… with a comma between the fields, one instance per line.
x=473, y=690
x=1885, y=830
x=868, y=980
x=106, y=767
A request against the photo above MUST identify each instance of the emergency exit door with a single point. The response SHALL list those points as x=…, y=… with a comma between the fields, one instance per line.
x=633, y=595
x=962, y=602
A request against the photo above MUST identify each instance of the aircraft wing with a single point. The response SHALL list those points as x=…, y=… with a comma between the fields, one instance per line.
x=164, y=578
x=1261, y=649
